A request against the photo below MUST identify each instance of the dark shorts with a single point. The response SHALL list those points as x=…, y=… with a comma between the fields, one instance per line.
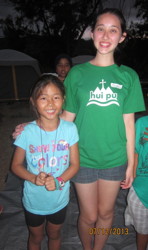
x=35, y=220
x=88, y=175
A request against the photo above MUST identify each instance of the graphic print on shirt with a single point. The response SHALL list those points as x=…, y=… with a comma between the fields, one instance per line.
x=104, y=97
x=144, y=137
x=144, y=142
x=49, y=157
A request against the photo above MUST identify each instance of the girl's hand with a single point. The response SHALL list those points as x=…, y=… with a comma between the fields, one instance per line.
x=40, y=179
x=50, y=183
x=127, y=183
x=18, y=130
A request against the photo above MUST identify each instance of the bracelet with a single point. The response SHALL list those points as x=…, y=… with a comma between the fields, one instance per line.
x=57, y=184
x=61, y=182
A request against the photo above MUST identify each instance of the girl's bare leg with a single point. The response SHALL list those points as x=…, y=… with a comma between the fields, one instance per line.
x=142, y=241
x=107, y=194
x=96, y=202
x=87, y=197
x=54, y=236
x=36, y=235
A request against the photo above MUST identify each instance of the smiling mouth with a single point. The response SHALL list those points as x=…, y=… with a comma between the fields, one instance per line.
x=50, y=111
x=104, y=44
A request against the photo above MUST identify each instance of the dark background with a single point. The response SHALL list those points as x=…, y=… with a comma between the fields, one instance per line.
x=43, y=29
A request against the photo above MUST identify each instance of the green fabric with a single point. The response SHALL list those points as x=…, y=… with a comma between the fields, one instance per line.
x=140, y=183
x=99, y=96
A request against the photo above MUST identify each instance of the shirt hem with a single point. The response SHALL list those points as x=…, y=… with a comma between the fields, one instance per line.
x=45, y=212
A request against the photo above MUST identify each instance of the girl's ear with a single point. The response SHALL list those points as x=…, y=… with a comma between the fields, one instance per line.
x=123, y=37
x=64, y=98
x=92, y=35
x=34, y=109
x=32, y=102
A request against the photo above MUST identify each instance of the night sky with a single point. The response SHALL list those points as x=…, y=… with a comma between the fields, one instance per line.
x=6, y=8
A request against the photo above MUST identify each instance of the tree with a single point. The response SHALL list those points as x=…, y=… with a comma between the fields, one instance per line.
x=46, y=28
x=140, y=28
x=49, y=27
x=61, y=19
x=143, y=8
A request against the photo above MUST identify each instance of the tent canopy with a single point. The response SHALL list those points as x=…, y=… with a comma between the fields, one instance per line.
x=81, y=59
x=18, y=72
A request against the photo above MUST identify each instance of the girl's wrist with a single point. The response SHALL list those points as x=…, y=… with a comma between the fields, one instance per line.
x=130, y=166
x=60, y=183
x=33, y=179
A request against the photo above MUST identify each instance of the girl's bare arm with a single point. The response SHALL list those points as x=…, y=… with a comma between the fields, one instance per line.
x=19, y=169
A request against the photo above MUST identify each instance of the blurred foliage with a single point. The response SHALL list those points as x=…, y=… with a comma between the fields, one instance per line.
x=62, y=19
x=43, y=29
x=140, y=29
x=52, y=26
x=143, y=8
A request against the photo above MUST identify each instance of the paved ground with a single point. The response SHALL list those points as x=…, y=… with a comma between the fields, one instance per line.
x=11, y=114
x=13, y=231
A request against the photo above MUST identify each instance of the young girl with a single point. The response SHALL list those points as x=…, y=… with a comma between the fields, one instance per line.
x=51, y=150
x=102, y=97
x=136, y=212
x=63, y=63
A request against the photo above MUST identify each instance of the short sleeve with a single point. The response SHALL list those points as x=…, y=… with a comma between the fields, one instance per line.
x=74, y=137
x=21, y=141
x=134, y=101
x=71, y=87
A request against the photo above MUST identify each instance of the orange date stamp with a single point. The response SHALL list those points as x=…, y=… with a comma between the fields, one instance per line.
x=108, y=231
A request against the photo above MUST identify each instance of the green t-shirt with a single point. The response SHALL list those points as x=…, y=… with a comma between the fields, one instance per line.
x=99, y=96
x=140, y=183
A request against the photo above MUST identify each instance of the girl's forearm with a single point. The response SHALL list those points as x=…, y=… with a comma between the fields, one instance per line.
x=130, y=135
x=21, y=172
x=74, y=163
x=69, y=173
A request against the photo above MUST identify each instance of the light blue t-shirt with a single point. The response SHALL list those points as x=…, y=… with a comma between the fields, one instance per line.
x=140, y=183
x=47, y=152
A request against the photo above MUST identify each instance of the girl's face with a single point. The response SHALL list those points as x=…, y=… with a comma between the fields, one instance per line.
x=49, y=103
x=62, y=68
x=107, y=33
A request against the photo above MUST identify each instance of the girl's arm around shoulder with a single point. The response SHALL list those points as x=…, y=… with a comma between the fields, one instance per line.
x=19, y=169
x=18, y=130
x=68, y=116
x=74, y=163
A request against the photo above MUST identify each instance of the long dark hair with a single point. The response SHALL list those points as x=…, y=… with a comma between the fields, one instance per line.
x=113, y=11
x=40, y=84
x=63, y=56
x=118, y=54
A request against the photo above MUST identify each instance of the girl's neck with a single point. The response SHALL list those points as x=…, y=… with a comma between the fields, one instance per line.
x=48, y=125
x=103, y=60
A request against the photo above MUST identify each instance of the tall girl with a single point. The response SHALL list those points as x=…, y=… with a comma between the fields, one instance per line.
x=50, y=146
x=102, y=98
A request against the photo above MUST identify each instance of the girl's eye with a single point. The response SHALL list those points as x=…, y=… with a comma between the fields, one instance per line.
x=113, y=31
x=100, y=29
x=42, y=98
x=57, y=97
